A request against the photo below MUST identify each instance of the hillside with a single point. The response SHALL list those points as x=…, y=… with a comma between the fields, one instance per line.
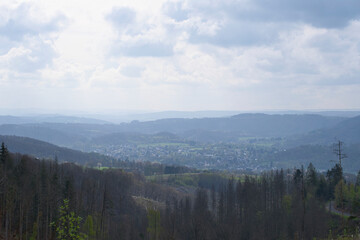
x=41, y=132
x=227, y=129
x=40, y=149
x=136, y=138
x=263, y=125
x=347, y=131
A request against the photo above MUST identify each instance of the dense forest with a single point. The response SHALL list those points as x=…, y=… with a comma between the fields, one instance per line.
x=43, y=199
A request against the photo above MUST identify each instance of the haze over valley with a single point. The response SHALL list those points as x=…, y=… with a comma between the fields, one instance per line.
x=251, y=142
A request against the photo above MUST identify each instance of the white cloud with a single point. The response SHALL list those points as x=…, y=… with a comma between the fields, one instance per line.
x=180, y=54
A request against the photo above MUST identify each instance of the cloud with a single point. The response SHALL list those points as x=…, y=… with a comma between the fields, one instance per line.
x=137, y=38
x=257, y=22
x=234, y=33
x=176, y=10
x=146, y=49
x=5, y=45
x=20, y=23
x=34, y=55
x=321, y=13
x=203, y=54
x=25, y=42
x=121, y=17
x=132, y=71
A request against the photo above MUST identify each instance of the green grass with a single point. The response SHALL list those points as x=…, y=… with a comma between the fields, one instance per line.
x=106, y=168
x=102, y=168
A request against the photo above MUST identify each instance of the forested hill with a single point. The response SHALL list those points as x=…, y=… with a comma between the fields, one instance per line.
x=347, y=130
x=44, y=132
x=46, y=150
x=321, y=156
x=246, y=124
x=262, y=125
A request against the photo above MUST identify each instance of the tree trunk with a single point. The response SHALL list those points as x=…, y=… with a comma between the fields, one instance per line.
x=20, y=221
x=6, y=225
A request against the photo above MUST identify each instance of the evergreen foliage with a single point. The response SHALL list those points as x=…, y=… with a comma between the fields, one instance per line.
x=68, y=224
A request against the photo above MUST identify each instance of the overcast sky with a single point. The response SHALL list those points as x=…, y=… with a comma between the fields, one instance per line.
x=180, y=55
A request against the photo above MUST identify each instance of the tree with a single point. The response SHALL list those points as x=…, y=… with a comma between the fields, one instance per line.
x=322, y=189
x=88, y=228
x=154, y=228
x=4, y=157
x=334, y=176
x=34, y=232
x=357, y=184
x=3, y=153
x=69, y=224
x=311, y=175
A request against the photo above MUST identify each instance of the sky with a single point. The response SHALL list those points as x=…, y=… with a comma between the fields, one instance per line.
x=179, y=55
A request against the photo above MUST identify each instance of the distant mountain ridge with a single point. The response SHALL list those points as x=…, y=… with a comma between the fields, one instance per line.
x=8, y=119
x=40, y=132
x=75, y=135
x=251, y=124
x=152, y=116
x=347, y=131
x=299, y=138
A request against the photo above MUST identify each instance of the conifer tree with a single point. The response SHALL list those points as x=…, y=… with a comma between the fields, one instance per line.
x=69, y=225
